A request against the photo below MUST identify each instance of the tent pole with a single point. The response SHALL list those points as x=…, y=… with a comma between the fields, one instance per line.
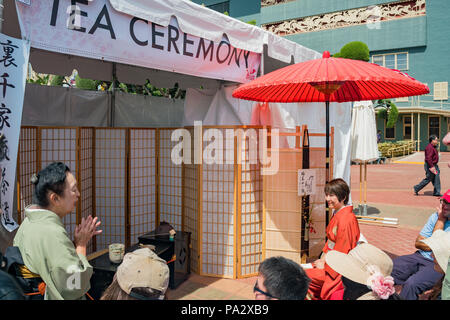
x=365, y=182
x=360, y=182
x=113, y=96
x=262, y=62
x=1, y=15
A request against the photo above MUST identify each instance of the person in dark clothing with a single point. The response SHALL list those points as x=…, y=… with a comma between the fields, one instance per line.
x=9, y=288
x=432, y=173
x=281, y=278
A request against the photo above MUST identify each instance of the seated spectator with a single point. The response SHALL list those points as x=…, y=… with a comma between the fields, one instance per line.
x=365, y=273
x=142, y=275
x=45, y=247
x=439, y=243
x=416, y=271
x=281, y=279
x=343, y=235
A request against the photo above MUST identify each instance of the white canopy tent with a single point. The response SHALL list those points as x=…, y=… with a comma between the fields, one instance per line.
x=220, y=108
x=99, y=38
x=101, y=28
x=168, y=42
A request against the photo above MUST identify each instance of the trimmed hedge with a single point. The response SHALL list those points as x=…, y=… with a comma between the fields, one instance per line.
x=385, y=146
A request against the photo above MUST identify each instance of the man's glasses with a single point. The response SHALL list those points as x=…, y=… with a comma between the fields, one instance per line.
x=256, y=289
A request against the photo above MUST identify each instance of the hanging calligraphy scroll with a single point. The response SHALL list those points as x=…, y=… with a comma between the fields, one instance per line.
x=14, y=54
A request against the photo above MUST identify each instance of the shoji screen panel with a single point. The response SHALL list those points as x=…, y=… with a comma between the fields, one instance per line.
x=60, y=144
x=110, y=184
x=283, y=207
x=218, y=215
x=27, y=165
x=170, y=181
x=142, y=182
x=251, y=206
x=86, y=182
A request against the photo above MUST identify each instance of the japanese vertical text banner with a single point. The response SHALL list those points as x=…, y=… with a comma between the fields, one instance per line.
x=14, y=54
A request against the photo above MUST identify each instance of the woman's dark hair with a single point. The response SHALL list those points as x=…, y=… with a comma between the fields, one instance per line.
x=432, y=137
x=51, y=178
x=115, y=292
x=284, y=279
x=339, y=188
x=353, y=290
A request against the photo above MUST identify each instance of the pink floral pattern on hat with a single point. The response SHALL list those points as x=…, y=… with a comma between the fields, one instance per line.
x=382, y=286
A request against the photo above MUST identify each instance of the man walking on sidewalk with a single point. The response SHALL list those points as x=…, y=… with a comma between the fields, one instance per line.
x=431, y=168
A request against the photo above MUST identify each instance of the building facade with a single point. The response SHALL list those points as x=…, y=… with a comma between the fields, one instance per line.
x=409, y=35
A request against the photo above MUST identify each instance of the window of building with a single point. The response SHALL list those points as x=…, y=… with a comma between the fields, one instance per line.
x=401, y=99
x=389, y=133
x=440, y=91
x=221, y=7
x=433, y=126
x=397, y=61
x=407, y=127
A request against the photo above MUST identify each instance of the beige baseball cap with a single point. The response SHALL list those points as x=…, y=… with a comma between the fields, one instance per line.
x=143, y=268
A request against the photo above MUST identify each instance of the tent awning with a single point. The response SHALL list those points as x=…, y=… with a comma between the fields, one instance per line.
x=206, y=23
x=105, y=29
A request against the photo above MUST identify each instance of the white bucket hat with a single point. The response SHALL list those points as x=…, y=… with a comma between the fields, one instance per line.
x=439, y=243
x=365, y=264
x=143, y=268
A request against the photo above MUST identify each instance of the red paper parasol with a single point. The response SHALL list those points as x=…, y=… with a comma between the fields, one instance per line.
x=330, y=80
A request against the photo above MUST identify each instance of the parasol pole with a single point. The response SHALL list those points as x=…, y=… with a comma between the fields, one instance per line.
x=360, y=183
x=327, y=155
x=365, y=182
x=327, y=141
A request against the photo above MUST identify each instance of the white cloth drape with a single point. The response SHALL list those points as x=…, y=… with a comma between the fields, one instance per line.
x=364, y=132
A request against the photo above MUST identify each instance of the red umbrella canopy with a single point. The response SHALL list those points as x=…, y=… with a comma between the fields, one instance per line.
x=331, y=79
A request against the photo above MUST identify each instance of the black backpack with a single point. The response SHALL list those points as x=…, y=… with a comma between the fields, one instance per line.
x=9, y=288
x=10, y=263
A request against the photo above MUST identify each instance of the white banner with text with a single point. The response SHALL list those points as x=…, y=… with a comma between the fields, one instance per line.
x=93, y=29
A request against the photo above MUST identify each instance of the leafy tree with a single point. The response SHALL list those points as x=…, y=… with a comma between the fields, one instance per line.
x=85, y=84
x=358, y=50
x=388, y=111
x=41, y=79
x=57, y=80
x=355, y=50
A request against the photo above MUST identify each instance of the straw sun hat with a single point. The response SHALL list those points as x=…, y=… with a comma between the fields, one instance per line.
x=439, y=243
x=365, y=264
